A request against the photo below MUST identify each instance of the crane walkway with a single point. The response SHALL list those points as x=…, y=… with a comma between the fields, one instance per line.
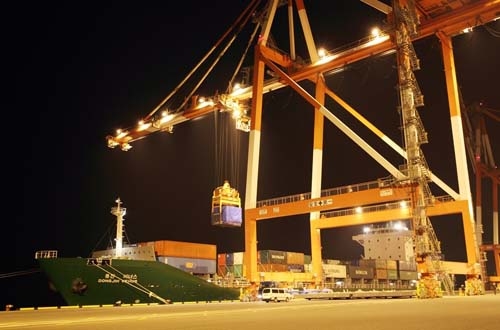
x=380, y=200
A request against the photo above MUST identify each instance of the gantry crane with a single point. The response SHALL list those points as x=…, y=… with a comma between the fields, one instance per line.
x=444, y=19
x=483, y=163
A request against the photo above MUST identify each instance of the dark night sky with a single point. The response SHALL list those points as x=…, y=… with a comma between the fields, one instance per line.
x=81, y=70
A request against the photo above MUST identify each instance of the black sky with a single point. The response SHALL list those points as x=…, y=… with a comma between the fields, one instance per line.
x=80, y=70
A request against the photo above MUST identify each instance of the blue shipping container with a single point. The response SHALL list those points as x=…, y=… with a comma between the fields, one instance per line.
x=231, y=215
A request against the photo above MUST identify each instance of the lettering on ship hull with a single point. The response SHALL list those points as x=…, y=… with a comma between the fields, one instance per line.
x=112, y=279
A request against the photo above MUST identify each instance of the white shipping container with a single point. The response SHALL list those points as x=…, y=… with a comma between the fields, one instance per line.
x=238, y=258
x=337, y=271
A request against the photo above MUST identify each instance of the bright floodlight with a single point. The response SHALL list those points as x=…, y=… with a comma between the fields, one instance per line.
x=166, y=117
x=376, y=32
x=366, y=230
x=321, y=52
x=359, y=210
x=236, y=87
x=399, y=226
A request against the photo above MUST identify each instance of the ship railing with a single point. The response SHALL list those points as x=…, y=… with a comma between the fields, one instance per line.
x=46, y=254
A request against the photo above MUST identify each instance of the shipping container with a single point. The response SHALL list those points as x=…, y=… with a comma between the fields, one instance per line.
x=378, y=263
x=295, y=268
x=221, y=259
x=381, y=274
x=307, y=259
x=367, y=263
x=358, y=272
x=271, y=257
x=331, y=262
x=185, y=249
x=295, y=258
x=272, y=268
x=392, y=274
x=392, y=264
x=222, y=270
x=236, y=270
x=231, y=216
x=335, y=271
x=238, y=258
x=229, y=259
x=191, y=265
x=408, y=275
x=407, y=265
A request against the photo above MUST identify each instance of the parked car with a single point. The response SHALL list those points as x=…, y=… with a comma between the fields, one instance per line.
x=276, y=294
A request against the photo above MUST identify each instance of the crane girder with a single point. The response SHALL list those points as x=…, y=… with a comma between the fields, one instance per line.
x=451, y=23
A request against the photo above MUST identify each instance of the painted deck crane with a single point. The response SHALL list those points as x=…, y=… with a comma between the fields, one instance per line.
x=331, y=208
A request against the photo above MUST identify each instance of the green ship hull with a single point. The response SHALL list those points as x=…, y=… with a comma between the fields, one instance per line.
x=82, y=281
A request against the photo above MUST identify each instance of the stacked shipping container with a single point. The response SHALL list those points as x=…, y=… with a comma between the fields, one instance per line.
x=383, y=269
x=203, y=259
x=195, y=258
x=363, y=271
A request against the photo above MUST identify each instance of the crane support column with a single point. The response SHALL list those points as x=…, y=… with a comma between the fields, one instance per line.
x=317, y=165
x=472, y=243
x=250, y=260
x=317, y=161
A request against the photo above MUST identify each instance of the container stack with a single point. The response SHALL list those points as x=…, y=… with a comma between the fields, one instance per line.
x=385, y=271
x=407, y=270
x=195, y=258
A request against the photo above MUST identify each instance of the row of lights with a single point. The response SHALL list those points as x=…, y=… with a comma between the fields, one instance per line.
x=166, y=117
x=377, y=36
x=399, y=226
x=402, y=204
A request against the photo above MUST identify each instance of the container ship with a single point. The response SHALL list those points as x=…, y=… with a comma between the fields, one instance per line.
x=168, y=271
x=151, y=272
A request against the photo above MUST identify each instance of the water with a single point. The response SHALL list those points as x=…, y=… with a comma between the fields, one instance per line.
x=31, y=290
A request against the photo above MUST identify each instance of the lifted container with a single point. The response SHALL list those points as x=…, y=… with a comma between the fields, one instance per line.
x=226, y=206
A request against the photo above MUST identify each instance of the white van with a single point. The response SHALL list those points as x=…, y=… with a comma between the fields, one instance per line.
x=275, y=294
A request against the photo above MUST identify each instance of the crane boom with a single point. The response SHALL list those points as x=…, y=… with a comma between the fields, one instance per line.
x=449, y=23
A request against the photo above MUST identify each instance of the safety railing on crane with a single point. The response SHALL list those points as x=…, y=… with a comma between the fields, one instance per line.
x=327, y=192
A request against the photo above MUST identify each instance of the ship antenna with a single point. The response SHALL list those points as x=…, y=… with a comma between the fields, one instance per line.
x=119, y=212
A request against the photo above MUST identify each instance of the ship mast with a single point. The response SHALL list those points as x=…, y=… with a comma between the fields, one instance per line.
x=119, y=212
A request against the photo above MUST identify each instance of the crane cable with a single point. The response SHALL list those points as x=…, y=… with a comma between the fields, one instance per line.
x=227, y=152
x=240, y=63
x=242, y=15
x=186, y=99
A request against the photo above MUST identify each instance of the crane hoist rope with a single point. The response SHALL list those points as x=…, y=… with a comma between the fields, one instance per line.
x=245, y=15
